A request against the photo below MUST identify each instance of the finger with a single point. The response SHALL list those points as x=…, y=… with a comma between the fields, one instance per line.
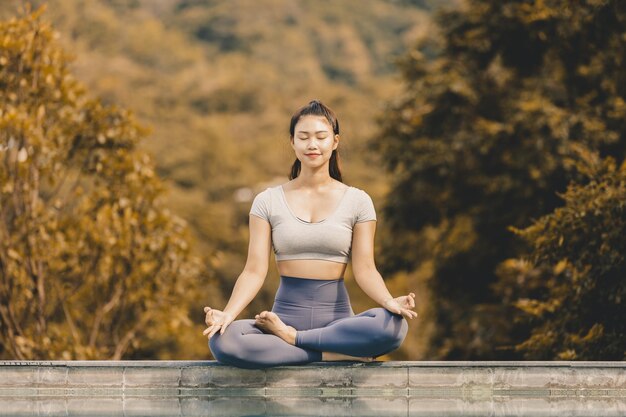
x=410, y=314
x=207, y=330
x=223, y=329
x=209, y=319
x=213, y=332
x=206, y=309
x=214, y=327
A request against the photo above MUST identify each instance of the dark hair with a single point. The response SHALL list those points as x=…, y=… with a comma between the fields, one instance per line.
x=316, y=108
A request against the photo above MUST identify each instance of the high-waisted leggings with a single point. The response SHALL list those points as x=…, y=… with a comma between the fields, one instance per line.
x=321, y=313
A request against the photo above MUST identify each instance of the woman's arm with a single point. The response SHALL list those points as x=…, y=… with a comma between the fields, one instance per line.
x=363, y=265
x=253, y=276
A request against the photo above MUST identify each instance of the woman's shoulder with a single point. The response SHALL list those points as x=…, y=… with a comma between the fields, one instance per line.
x=269, y=190
x=359, y=191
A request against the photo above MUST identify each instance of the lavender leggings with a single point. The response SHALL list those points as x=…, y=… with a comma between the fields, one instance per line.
x=321, y=313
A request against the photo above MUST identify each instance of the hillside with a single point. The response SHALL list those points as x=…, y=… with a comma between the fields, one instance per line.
x=217, y=82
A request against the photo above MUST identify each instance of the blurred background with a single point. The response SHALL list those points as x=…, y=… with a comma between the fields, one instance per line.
x=134, y=135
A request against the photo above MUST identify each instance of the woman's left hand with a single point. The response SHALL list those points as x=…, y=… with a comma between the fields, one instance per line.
x=402, y=305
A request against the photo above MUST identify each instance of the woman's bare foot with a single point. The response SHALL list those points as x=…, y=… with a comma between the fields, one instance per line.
x=269, y=322
x=333, y=356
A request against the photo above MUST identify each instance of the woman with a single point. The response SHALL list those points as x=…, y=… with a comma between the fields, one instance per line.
x=316, y=224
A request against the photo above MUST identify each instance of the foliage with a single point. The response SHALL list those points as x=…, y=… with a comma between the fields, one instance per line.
x=89, y=257
x=220, y=117
x=572, y=287
x=483, y=137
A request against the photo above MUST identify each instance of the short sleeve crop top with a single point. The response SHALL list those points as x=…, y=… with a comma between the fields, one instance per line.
x=329, y=239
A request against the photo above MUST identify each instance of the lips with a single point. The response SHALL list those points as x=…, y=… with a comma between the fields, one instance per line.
x=312, y=154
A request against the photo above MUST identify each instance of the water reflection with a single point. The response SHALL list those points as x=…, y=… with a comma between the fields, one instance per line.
x=229, y=406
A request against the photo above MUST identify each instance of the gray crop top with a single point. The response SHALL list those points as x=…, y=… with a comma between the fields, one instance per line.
x=329, y=239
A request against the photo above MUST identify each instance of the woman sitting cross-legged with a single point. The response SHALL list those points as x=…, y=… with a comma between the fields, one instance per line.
x=315, y=224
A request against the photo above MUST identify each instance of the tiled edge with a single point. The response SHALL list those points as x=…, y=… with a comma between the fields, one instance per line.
x=509, y=378
x=12, y=376
x=286, y=377
x=392, y=378
x=434, y=377
x=196, y=377
x=231, y=376
x=55, y=376
x=404, y=364
x=151, y=376
x=96, y=375
x=474, y=377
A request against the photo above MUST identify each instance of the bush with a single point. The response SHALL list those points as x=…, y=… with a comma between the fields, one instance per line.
x=484, y=136
x=89, y=259
x=571, y=288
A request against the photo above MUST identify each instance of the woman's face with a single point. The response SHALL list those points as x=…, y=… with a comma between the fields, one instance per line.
x=313, y=140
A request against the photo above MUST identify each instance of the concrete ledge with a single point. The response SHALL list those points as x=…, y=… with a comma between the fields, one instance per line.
x=410, y=378
x=422, y=388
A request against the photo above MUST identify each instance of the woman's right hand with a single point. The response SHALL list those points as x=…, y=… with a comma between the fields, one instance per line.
x=216, y=320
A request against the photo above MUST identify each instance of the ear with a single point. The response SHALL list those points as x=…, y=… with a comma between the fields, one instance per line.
x=336, y=141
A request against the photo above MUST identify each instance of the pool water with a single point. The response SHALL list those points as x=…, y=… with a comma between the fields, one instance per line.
x=88, y=404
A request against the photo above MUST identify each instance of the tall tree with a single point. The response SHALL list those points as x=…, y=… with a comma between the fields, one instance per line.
x=484, y=136
x=89, y=258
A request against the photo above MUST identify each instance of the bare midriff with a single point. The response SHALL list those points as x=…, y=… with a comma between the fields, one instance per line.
x=311, y=268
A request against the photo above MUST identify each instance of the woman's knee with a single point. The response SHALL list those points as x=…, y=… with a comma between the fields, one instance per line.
x=223, y=349
x=228, y=347
x=395, y=327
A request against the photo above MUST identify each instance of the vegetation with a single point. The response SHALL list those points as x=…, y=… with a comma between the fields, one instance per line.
x=572, y=285
x=91, y=263
x=496, y=166
x=495, y=115
x=219, y=118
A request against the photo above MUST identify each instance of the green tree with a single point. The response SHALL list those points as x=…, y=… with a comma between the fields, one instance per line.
x=571, y=287
x=89, y=259
x=483, y=137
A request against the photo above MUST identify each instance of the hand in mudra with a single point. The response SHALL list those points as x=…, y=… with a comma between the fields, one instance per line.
x=402, y=305
x=216, y=320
